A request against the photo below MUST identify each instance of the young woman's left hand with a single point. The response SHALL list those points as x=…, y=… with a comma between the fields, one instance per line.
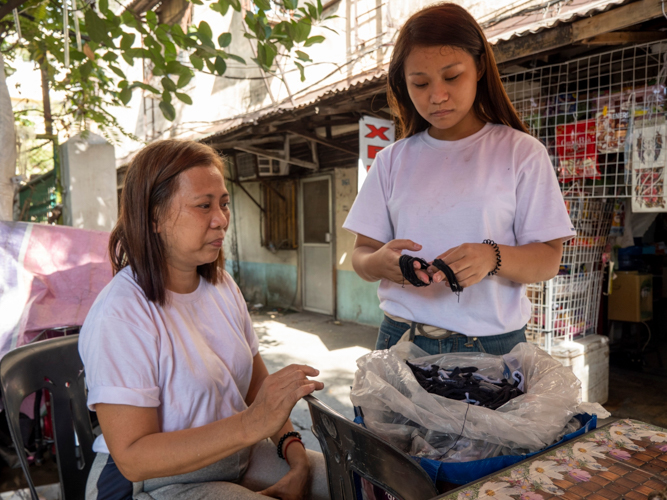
x=470, y=262
x=293, y=485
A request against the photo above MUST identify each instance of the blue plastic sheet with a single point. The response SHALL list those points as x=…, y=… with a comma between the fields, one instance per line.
x=468, y=472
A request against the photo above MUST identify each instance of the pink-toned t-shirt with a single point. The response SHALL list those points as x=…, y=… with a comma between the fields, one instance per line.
x=192, y=359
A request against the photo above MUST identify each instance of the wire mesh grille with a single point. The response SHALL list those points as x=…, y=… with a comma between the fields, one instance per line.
x=602, y=120
x=567, y=306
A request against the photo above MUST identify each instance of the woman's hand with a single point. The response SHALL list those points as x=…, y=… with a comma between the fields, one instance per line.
x=276, y=397
x=294, y=484
x=373, y=260
x=470, y=262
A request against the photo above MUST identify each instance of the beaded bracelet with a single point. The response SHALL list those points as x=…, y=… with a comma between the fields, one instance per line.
x=288, y=443
x=498, y=260
x=282, y=440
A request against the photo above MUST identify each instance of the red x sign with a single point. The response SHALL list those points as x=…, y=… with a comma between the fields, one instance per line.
x=377, y=132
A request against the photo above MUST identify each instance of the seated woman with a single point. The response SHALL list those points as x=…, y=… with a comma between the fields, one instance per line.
x=183, y=397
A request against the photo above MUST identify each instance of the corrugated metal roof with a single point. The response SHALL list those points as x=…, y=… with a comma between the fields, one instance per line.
x=320, y=95
x=537, y=16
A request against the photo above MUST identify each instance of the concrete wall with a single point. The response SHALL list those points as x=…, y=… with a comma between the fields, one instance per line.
x=88, y=167
x=356, y=299
x=272, y=279
x=263, y=276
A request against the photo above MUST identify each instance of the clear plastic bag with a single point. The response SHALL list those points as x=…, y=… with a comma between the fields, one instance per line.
x=396, y=407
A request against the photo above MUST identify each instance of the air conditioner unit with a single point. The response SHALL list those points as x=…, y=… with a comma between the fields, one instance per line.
x=270, y=166
x=246, y=166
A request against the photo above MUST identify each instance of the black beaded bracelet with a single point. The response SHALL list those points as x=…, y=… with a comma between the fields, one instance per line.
x=282, y=441
x=498, y=260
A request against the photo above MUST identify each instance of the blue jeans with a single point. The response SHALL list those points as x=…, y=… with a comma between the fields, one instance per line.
x=391, y=331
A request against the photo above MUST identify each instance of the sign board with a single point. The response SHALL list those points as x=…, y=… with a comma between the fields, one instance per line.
x=375, y=134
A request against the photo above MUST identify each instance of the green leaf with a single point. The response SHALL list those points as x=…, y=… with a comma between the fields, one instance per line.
x=158, y=71
x=210, y=66
x=151, y=19
x=117, y=71
x=128, y=18
x=197, y=2
x=176, y=68
x=303, y=56
x=269, y=53
x=236, y=58
x=126, y=95
x=166, y=96
x=220, y=65
x=170, y=51
x=127, y=41
x=263, y=4
x=291, y=4
x=184, y=79
x=177, y=31
x=168, y=111
x=104, y=6
x=146, y=87
x=222, y=6
x=184, y=97
x=122, y=84
x=197, y=62
x=224, y=40
x=205, y=30
x=85, y=69
x=110, y=57
x=168, y=84
x=97, y=28
x=313, y=40
x=301, y=70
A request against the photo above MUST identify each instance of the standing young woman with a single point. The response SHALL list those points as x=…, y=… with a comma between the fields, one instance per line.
x=467, y=184
x=173, y=371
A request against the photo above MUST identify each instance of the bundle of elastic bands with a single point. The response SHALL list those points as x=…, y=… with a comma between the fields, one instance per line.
x=406, y=262
x=463, y=384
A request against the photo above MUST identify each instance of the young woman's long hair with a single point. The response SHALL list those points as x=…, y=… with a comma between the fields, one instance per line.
x=447, y=24
x=150, y=184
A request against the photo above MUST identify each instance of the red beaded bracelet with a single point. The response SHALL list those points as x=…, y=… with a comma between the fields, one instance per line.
x=289, y=443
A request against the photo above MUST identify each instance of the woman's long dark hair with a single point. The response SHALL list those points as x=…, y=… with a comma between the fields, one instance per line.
x=150, y=184
x=447, y=24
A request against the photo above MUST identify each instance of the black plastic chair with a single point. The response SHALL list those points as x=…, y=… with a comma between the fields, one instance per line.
x=349, y=449
x=53, y=365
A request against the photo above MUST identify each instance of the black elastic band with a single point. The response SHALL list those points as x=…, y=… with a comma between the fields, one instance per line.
x=406, y=262
x=449, y=274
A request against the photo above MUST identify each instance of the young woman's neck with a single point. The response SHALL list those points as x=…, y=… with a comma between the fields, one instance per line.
x=468, y=126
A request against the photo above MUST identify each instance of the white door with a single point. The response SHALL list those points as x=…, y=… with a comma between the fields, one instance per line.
x=316, y=245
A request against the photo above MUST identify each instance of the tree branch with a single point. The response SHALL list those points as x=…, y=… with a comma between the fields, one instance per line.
x=9, y=6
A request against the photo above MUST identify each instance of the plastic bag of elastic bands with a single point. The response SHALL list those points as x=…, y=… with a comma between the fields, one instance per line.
x=397, y=408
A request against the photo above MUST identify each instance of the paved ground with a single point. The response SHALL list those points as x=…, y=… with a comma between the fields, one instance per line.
x=330, y=346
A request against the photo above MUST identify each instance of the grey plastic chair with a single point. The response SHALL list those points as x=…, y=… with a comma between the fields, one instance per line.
x=53, y=365
x=351, y=450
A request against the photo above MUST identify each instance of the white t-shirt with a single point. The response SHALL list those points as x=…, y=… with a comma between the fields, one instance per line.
x=191, y=359
x=496, y=184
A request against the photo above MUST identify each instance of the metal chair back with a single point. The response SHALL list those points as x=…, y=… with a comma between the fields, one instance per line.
x=353, y=453
x=53, y=365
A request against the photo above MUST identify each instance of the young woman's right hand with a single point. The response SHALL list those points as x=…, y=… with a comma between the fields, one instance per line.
x=277, y=396
x=373, y=260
